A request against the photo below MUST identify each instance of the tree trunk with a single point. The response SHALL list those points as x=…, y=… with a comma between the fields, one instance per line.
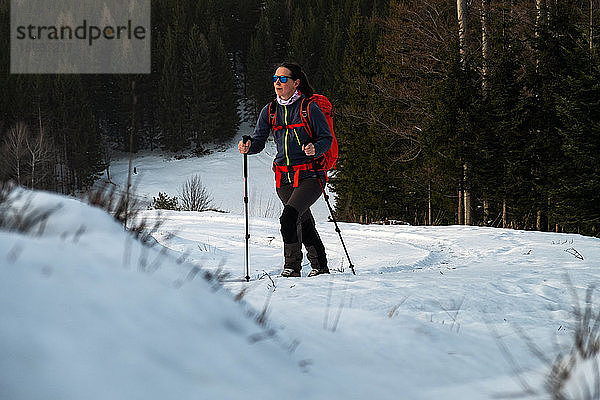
x=504, y=215
x=464, y=197
x=461, y=7
x=36, y=150
x=63, y=168
x=467, y=195
x=467, y=206
x=468, y=216
x=461, y=209
x=484, y=43
x=540, y=15
x=591, y=26
x=131, y=133
x=429, y=216
x=547, y=223
x=33, y=161
x=486, y=211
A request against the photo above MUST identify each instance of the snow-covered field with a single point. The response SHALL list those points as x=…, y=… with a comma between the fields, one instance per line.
x=221, y=173
x=456, y=312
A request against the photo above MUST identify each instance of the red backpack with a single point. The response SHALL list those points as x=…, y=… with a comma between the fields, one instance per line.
x=330, y=156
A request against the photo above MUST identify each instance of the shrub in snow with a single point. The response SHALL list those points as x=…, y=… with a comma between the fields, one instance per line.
x=17, y=213
x=164, y=202
x=194, y=195
x=121, y=205
x=124, y=207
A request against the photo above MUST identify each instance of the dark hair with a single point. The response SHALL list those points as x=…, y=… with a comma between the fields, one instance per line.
x=297, y=73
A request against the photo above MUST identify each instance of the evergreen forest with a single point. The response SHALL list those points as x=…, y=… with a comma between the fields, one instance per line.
x=475, y=112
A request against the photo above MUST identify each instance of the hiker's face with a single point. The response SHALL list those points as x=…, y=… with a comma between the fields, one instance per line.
x=285, y=90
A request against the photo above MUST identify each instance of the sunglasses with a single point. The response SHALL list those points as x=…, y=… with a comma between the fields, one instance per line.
x=282, y=78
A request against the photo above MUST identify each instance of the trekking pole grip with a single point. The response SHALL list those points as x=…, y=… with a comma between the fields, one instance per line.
x=245, y=138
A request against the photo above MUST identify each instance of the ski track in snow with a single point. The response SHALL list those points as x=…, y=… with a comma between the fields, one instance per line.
x=456, y=279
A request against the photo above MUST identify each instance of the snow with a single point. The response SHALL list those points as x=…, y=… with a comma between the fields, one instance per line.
x=221, y=173
x=88, y=312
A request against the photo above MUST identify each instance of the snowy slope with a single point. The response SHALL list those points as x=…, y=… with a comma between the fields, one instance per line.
x=420, y=316
x=86, y=312
x=221, y=172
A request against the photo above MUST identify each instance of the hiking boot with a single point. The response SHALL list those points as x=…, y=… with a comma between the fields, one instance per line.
x=290, y=273
x=315, y=272
x=292, y=254
x=315, y=251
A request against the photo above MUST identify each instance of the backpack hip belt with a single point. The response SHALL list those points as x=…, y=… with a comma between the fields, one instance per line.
x=315, y=165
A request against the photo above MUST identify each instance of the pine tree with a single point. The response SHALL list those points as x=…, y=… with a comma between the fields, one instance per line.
x=328, y=76
x=306, y=44
x=360, y=184
x=501, y=143
x=259, y=66
x=174, y=137
x=245, y=14
x=279, y=14
x=575, y=90
x=555, y=31
x=200, y=109
x=298, y=40
x=224, y=88
x=77, y=137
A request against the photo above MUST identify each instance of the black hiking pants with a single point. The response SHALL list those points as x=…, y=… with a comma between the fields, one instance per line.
x=298, y=224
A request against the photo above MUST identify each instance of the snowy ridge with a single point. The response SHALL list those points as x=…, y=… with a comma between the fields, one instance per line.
x=83, y=316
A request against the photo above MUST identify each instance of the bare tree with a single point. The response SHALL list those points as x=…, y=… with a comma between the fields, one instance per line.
x=194, y=196
x=40, y=151
x=415, y=33
x=14, y=151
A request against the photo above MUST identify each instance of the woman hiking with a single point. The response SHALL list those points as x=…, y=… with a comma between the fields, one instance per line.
x=297, y=178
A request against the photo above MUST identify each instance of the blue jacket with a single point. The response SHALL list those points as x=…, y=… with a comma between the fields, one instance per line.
x=290, y=140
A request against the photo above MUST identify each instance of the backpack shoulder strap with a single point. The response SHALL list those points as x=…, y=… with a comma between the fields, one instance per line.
x=273, y=113
x=305, y=115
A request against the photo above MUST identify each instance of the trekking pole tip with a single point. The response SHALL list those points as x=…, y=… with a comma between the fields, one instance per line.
x=352, y=268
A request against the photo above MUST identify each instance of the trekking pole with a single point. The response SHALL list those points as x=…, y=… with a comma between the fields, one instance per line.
x=245, y=138
x=337, y=228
